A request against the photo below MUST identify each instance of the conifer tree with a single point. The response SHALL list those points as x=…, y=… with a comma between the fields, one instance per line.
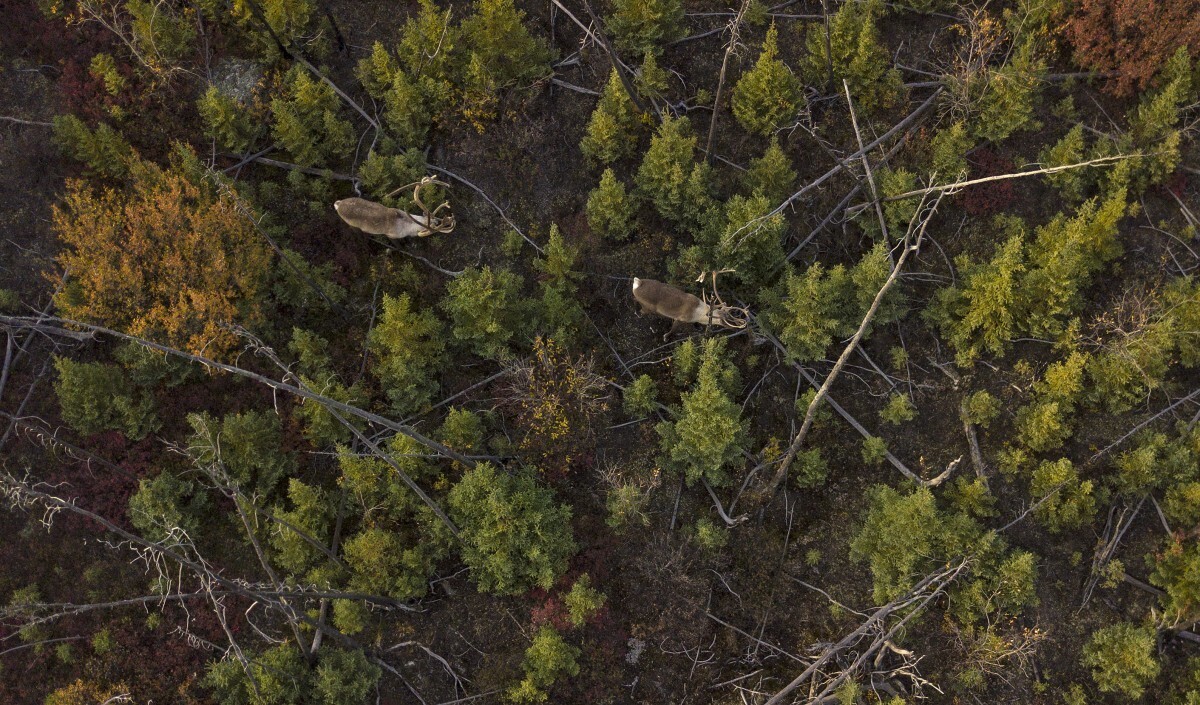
x=610, y=209
x=548, y=658
x=645, y=26
x=613, y=129
x=979, y=314
x=1122, y=660
x=408, y=346
x=496, y=38
x=485, y=310
x=767, y=96
x=306, y=121
x=771, y=174
x=96, y=397
x=670, y=177
x=707, y=438
x=857, y=55
x=561, y=314
x=514, y=535
x=226, y=120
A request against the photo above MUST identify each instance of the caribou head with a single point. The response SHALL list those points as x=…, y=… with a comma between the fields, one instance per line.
x=378, y=219
x=682, y=307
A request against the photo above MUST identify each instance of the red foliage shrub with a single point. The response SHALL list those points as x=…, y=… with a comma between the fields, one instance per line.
x=1133, y=38
x=101, y=489
x=994, y=196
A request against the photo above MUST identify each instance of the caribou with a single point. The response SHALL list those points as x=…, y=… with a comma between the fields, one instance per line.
x=377, y=219
x=683, y=308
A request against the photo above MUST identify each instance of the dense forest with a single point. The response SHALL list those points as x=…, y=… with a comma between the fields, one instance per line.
x=599, y=351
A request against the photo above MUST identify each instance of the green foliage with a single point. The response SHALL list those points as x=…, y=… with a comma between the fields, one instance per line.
x=1122, y=660
x=345, y=677
x=897, y=214
x=767, y=96
x=162, y=34
x=485, y=310
x=750, y=240
x=979, y=314
x=96, y=397
x=462, y=430
x=710, y=536
x=104, y=150
x=641, y=396
x=297, y=282
x=670, y=177
x=898, y=410
x=1045, y=424
x=645, y=26
x=859, y=57
x=383, y=564
x=771, y=175
x=548, y=658
x=247, y=446
x=226, y=120
x=948, y=158
x=1068, y=150
x=810, y=468
x=1063, y=258
x=165, y=502
x=382, y=175
x=104, y=67
x=583, y=601
x=320, y=426
x=981, y=408
x=651, y=80
x=279, y=676
x=514, y=536
x=1152, y=129
x=1177, y=571
x=1005, y=103
x=408, y=346
x=290, y=20
x=1071, y=502
x=612, y=131
x=610, y=210
x=311, y=517
x=495, y=37
x=560, y=313
x=811, y=309
x=900, y=532
x=708, y=435
x=874, y=450
x=971, y=497
x=306, y=121
x=685, y=362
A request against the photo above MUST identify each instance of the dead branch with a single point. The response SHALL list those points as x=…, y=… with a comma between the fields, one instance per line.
x=24, y=322
x=918, y=598
x=959, y=185
x=905, y=124
x=735, y=28
x=911, y=243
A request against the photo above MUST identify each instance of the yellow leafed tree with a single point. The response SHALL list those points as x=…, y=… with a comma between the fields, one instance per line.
x=169, y=258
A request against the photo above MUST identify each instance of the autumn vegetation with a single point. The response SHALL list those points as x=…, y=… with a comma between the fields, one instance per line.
x=250, y=455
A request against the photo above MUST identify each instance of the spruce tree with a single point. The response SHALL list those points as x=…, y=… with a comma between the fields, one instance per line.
x=610, y=209
x=768, y=96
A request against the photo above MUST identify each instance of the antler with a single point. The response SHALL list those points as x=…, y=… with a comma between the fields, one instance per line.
x=433, y=223
x=731, y=316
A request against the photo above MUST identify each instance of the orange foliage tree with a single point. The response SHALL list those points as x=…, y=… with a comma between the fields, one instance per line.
x=171, y=257
x=1132, y=38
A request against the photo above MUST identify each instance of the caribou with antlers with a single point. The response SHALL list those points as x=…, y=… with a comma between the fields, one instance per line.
x=682, y=307
x=378, y=219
